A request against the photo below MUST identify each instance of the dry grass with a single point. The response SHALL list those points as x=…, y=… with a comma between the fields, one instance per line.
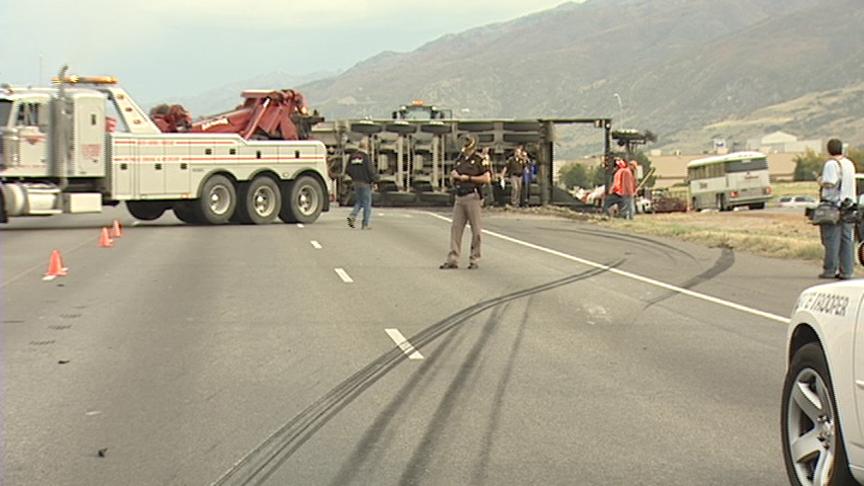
x=759, y=232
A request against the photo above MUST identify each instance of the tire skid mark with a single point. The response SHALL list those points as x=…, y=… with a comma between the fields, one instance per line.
x=375, y=433
x=418, y=465
x=260, y=463
x=482, y=465
x=724, y=262
x=627, y=238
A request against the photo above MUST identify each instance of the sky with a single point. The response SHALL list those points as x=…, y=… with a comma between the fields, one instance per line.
x=161, y=48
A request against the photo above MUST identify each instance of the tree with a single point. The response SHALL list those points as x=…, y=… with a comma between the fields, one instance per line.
x=574, y=175
x=808, y=166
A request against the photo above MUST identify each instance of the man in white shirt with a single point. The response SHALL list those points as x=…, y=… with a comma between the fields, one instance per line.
x=837, y=184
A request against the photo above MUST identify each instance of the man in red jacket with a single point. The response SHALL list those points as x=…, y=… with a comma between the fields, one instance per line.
x=623, y=188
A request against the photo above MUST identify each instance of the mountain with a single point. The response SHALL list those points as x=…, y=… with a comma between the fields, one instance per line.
x=677, y=65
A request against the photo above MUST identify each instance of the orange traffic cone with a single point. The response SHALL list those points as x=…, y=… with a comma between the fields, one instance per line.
x=55, y=267
x=105, y=241
x=116, y=231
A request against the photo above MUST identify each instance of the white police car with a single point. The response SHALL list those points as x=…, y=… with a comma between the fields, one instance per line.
x=823, y=394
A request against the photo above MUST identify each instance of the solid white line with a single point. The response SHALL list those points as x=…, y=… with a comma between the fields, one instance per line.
x=637, y=277
x=344, y=275
x=300, y=225
x=315, y=244
x=403, y=344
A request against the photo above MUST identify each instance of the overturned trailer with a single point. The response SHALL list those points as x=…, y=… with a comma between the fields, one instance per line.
x=415, y=151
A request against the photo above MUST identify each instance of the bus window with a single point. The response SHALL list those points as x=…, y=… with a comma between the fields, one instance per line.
x=747, y=165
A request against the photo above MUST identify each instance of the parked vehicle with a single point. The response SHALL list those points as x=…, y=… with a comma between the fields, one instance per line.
x=729, y=181
x=797, y=202
x=822, y=411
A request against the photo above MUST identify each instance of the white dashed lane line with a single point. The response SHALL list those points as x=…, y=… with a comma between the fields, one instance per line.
x=300, y=225
x=315, y=244
x=344, y=275
x=403, y=344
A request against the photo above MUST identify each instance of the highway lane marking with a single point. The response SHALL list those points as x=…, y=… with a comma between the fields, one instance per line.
x=403, y=344
x=300, y=225
x=633, y=276
x=344, y=275
x=315, y=244
x=136, y=223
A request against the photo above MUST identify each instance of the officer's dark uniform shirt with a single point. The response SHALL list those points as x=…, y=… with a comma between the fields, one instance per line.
x=471, y=166
x=515, y=166
x=360, y=168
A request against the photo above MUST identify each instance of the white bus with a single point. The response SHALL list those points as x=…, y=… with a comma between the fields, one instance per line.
x=727, y=181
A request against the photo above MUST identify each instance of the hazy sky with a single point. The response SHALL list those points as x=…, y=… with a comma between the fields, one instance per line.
x=158, y=47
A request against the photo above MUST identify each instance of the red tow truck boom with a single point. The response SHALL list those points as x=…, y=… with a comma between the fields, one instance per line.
x=264, y=115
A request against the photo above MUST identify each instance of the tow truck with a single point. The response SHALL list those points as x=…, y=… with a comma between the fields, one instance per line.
x=84, y=143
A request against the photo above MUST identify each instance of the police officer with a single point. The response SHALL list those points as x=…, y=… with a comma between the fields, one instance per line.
x=515, y=168
x=363, y=175
x=468, y=176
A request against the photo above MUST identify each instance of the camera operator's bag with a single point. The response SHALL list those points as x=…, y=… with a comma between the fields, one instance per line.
x=825, y=213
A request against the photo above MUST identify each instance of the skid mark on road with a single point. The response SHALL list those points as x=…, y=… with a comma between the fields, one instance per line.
x=376, y=432
x=633, y=276
x=260, y=463
x=418, y=465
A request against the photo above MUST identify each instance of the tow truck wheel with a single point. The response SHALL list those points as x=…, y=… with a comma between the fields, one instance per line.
x=260, y=201
x=218, y=200
x=303, y=201
x=146, y=210
x=186, y=212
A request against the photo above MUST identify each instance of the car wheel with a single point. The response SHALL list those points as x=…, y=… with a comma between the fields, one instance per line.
x=813, y=447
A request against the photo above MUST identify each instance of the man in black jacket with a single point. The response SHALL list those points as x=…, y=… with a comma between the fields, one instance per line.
x=363, y=174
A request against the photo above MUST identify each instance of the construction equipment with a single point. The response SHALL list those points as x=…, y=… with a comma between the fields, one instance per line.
x=85, y=143
x=264, y=115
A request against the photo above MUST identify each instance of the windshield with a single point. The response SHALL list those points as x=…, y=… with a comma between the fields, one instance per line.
x=5, y=110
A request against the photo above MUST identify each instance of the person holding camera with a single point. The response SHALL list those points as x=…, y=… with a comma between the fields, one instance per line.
x=468, y=177
x=837, y=186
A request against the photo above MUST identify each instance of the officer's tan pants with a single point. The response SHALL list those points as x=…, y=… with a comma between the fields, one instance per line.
x=466, y=210
x=515, y=190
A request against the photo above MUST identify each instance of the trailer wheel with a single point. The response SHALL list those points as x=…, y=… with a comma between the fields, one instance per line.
x=218, y=200
x=186, y=212
x=303, y=201
x=146, y=210
x=258, y=202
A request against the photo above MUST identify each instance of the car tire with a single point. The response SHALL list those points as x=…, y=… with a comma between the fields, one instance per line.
x=860, y=252
x=810, y=425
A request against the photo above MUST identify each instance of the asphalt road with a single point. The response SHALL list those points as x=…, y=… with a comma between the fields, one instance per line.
x=240, y=355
